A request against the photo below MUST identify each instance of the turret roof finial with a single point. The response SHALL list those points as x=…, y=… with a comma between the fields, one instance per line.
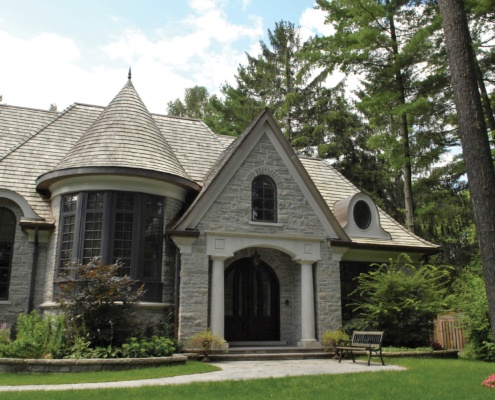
x=129, y=76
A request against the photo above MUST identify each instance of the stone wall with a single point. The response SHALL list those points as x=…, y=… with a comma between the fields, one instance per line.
x=20, y=274
x=327, y=292
x=231, y=213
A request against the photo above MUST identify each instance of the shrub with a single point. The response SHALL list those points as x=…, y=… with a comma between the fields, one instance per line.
x=331, y=338
x=206, y=341
x=81, y=348
x=4, y=334
x=98, y=303
x=36, y=337
x=470, y=300
x=154, y=347
x=402, y=299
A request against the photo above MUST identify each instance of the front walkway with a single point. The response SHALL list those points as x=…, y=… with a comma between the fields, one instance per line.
x=233, y=370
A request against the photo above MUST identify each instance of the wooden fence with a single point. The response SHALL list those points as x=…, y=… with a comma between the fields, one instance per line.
x=448, y=332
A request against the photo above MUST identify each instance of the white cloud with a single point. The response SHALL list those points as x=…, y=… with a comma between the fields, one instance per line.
x=203, y=54
x=47, y=68
x=312, y=23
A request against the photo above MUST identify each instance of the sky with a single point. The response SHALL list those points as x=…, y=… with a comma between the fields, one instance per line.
x=66, y=51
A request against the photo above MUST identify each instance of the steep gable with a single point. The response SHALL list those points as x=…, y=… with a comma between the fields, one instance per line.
x=263, y=135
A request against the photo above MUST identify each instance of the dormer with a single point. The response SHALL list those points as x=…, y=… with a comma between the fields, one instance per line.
x=359, y=217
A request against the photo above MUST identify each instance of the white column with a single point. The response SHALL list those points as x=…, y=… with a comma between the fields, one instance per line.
x=217, y=323
x=307, y=306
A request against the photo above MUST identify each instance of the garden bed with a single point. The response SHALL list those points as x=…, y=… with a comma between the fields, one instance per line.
x=19, y=365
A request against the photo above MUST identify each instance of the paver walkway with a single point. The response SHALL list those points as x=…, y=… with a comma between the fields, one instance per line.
x=232, y=370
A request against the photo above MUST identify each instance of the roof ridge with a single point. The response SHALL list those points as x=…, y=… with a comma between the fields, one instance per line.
x=28, y=108
x=22, y=143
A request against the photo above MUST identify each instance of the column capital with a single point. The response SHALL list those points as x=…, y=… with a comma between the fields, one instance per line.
x=305, y=262
x=220, y=257
x=184, y=243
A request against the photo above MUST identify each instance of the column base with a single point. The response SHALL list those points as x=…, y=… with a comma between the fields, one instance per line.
x=308, y=343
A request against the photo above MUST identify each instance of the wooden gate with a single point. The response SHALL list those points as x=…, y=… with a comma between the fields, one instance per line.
x=448, y=332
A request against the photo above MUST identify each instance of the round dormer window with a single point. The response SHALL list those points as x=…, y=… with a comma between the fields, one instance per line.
x=362, y=214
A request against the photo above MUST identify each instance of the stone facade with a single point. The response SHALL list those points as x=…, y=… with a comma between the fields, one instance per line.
x=231, y=212
x=206, y=181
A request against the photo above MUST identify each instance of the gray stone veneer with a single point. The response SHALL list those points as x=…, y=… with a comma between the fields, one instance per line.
x=231, y=212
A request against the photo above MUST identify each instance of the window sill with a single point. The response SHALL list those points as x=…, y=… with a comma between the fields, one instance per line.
x=266, y=223
x=5, y=303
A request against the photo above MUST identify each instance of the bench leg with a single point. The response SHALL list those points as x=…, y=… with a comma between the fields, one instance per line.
x=352, y=355
x=381, y=357
x=340, y=354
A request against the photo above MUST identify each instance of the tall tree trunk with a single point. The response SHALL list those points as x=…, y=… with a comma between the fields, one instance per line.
x=475, y=145
x=484, y=96
x=404, y=129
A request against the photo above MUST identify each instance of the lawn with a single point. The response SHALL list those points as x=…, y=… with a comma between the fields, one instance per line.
x=425, y=379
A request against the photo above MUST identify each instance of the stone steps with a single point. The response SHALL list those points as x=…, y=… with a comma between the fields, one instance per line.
x=254, y=353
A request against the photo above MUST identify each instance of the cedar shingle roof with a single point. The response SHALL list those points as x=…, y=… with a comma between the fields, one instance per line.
x=124, y=135
x=333, y=186
x=41, y=153
x=18, y=124
x=34, y=142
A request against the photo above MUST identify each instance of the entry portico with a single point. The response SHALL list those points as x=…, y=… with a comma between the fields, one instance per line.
x=304, y=250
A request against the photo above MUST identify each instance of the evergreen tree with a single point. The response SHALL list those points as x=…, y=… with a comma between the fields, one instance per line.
x=387, y=43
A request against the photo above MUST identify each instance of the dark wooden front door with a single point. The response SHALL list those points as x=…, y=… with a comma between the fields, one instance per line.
x=252, y=302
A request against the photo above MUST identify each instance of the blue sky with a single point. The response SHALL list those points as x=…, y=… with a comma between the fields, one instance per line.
x=66, y=51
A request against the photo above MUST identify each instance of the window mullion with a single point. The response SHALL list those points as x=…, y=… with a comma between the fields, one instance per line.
x=108, y=228
x=79, y=227
x=137, y=237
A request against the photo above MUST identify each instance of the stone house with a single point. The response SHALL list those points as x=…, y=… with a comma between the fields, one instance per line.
x=238, y=234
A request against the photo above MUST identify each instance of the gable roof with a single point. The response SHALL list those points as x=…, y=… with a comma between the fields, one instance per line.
x=230, y=160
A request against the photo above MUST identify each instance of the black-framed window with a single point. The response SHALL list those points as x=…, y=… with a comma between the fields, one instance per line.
x=362, y=214
x=124, y=226
x=7, y=238
x=264, y=199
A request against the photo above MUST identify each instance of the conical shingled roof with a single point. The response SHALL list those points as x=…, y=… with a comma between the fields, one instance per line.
x=124, y=135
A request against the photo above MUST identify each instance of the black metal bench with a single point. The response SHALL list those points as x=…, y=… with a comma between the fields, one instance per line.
x=368, y=341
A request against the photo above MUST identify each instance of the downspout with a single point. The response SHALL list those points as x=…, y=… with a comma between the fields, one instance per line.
x=177, y=293
x=33, y=270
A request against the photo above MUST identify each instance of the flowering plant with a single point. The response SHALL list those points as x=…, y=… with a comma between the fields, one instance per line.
x=436, y=346
x=489, y=382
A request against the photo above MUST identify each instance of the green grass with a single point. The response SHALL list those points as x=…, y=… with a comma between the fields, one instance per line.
x=425, y=379
x=191, y=367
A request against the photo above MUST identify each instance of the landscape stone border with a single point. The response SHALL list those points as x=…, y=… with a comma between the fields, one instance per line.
x=19, y=365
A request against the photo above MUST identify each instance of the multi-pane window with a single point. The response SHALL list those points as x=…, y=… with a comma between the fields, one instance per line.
x=264, y=199
x=115, y=226
x=7, y=236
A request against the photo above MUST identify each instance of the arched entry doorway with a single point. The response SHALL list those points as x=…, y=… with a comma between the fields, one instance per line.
x=252, y=301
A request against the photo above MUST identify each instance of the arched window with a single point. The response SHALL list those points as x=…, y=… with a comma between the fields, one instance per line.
x=264, y=199
x=7, y=236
